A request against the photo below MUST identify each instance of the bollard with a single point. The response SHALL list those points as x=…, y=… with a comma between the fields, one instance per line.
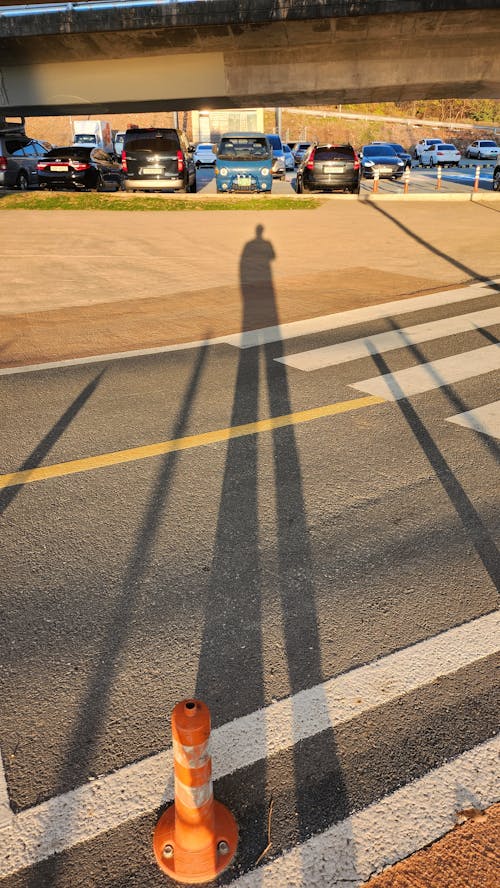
x=195, y=839
x=376, y=177
x=439, y=177
x=406, y=180
x=476, y=178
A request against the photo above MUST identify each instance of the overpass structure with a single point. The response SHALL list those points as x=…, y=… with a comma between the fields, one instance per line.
x=137, y=55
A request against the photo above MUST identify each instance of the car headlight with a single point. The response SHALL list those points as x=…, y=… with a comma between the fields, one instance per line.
x=223, y=171
x=368, y=163
x=401, y=163
x=264, y=171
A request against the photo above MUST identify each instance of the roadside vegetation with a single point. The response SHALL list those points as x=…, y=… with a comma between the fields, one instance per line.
x=167, y=203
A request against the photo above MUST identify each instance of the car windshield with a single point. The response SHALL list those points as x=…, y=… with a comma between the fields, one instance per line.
x=243, y=149
x=85, y=139
x=152, y=144
x=488, y=144
x=334, y=152
x=70, y=151
x=446, y=148
x=204, y=148
x=398, y=148
x=376, y=151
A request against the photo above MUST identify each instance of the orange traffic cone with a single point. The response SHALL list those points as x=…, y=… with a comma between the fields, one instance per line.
x=196, y=837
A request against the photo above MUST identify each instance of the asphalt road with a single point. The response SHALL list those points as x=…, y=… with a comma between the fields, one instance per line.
x=244, y=572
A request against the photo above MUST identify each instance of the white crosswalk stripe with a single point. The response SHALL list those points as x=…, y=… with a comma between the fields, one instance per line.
x=343, y=352
x=108, y=802
x=485, y=419
x=433, y=375
x=388, y=831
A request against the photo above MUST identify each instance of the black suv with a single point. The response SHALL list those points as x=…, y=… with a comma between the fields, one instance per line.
x=158, y=159
x=19, y=156
x=329, y=168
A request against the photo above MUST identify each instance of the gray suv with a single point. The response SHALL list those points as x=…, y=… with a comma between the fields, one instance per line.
x=19, y=156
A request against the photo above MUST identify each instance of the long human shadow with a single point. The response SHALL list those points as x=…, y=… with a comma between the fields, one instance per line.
x=83, y=742
x=432, y=249
x=473, y=525
x=50, y=439
x=231, y=654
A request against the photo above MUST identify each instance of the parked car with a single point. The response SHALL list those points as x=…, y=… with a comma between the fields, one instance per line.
x=400, y=151
x=483, y=149
x=299, y=150
x=329, y=167
x=278, y=167
x=81, y=168
x=423, y=144
x=441, y=155
x=382, y=158
x=244, y=162
x=204, y=155
x=158, y=159
x=19, y=156
x=289, y=158
x=496, y=178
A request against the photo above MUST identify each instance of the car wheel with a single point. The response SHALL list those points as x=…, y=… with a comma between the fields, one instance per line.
x=193, y=188
x=496, y=181
x=298, y=187
x=431, y=163
x=22, y=181
x=100, y=184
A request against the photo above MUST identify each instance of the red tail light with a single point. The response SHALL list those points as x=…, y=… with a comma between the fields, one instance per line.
x=440, y=153
x=310, y=161
x=180, y=162
x=41, y=165
x=355, y=165
x=3, y=163
x=124, y=162
x=79, y=166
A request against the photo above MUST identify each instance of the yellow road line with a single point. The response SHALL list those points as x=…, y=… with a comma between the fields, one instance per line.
x=89, y=463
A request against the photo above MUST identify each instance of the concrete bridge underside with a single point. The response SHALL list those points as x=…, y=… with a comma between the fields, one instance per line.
x=62, y=64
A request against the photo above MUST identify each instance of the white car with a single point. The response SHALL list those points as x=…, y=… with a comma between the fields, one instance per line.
x=423, y=145
x=441, y=155
x=483, y=149
x=204, y=155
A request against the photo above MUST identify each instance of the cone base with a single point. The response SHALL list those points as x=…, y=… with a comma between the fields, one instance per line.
x=201, y=865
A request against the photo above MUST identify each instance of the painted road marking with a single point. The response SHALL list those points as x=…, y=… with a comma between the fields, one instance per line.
x=6, y=813
x=135, y=790
x=294, y=329
x=147, y=451
x=387, y=831
x=343, y=352
x=484, y=419
x=285, y=331
x=435, y=374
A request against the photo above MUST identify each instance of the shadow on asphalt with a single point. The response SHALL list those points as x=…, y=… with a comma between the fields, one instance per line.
x=231, y=655
x=83, y=743
x=37, y=455
x=472, y=523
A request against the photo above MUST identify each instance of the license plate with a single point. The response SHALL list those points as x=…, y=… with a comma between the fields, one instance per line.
x=155, y=171
x=244, y=181
x=59, y=169
x=331, y=168
x=385, y=169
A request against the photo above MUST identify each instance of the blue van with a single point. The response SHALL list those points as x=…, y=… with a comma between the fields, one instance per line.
x=244, y=162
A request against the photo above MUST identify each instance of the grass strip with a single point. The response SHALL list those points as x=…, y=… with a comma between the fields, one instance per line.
x=115, y=203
